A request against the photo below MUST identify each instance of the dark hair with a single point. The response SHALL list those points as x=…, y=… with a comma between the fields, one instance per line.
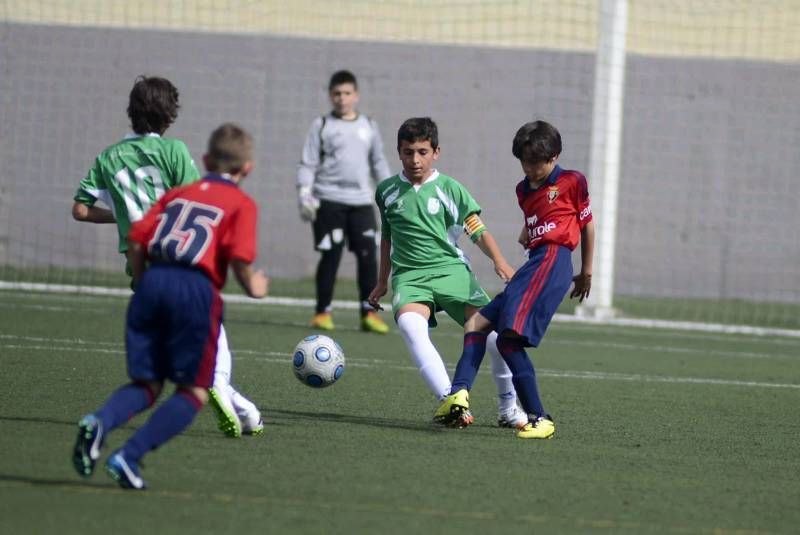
x=418, y=129
x=536, y=141
x=342, y=77
x=153, y=105
x=229, y=148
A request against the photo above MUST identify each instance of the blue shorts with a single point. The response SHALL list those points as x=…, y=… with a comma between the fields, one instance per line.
x=532, y=296
x=173, y=323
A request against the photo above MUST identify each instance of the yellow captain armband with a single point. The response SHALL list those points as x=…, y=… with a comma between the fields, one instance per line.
x=474, y=227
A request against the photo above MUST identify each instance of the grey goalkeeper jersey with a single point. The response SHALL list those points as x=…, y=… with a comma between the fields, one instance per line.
x=342, y=158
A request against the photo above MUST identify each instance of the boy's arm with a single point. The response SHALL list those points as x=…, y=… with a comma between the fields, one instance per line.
x=523, y=237
x=377, y=160
x=487, y=244
x=91, y=189
x=92, y=214
x=583, y=280
x=254, y=283
x=136, y=260
x=307, y=171
x=384, y=271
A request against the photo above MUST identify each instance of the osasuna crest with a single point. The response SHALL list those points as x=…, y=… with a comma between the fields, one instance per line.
x=433, y=206
x=552, y=193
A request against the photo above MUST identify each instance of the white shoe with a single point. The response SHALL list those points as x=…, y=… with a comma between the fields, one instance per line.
x=516, y=418
x=247, y=412
x=252, y=424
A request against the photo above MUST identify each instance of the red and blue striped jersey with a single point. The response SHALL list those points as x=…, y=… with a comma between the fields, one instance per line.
x=206, y=225
x=556, y=211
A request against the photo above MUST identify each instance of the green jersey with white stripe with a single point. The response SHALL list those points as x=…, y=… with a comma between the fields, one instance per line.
x=424, y=221
x=130, y=176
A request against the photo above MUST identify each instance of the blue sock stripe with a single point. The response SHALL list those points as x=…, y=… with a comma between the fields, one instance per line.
x=524, y=375
x=470, y=361
x=123, y=404
x=168, y=420
x=508, y=346
x=475, y=338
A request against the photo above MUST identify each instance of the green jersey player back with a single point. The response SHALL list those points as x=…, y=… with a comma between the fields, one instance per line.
x=133, y=174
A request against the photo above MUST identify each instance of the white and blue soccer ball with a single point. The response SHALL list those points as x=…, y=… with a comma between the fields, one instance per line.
x=318, y=361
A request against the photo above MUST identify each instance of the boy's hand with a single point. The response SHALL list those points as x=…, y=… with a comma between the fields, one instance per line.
x=504, y=270
x=523, y=237
x=308, y=204
x=375, y=296
x=259, y=284
x=583, y=283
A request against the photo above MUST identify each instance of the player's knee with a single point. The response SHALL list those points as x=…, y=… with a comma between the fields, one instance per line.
x=477, y=323
x=331, y=241
x=199, y=394
x=509, y=342
x=365, y=250
x=471, y=325
x=153, y=389
x=413, y=325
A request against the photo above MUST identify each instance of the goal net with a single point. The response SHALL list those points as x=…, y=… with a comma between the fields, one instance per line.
x=700, y=186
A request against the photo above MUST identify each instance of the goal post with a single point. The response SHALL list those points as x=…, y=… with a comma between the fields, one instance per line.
x=604, y=155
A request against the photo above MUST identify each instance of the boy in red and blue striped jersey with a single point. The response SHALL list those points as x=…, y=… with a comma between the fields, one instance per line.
x=558, y=214
x=189, y=238
x=130, y=176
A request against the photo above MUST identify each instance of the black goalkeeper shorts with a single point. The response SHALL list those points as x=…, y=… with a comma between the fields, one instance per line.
x=337, y=224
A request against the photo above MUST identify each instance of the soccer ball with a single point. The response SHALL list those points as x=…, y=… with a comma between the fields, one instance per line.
x=318, y=361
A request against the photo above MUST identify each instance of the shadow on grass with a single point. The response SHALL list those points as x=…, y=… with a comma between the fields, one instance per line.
x=45, y=482
x=275, y=418
x=192, y=432
x=276, y=415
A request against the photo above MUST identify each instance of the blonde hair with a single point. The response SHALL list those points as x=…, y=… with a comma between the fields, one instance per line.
x=229, y=148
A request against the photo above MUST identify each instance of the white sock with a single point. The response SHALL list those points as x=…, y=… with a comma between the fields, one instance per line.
x=506, y=395
x=414, y=329
x=245, y=409
x=222, y=372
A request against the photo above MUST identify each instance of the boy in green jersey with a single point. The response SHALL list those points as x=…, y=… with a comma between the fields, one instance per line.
x=423, y=213
x=129, y=177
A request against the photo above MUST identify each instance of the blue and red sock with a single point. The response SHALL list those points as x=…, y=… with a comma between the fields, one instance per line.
x=172, y=417
x=125, y=403
x=470, y=361
x=524, y=375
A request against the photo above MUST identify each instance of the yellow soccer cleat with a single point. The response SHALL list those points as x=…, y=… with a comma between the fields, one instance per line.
x=373, y=323
x=324, y=321
x=454, y=410
x=540, y=427
x=227, y=420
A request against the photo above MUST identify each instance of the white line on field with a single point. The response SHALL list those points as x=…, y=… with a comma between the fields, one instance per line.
x=277, y=357
x=610, y=345
x=293, y=301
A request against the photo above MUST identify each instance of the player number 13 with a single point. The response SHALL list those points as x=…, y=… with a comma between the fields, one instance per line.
x=137, y=202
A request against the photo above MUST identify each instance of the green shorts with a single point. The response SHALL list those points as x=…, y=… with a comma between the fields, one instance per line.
x=449, y=288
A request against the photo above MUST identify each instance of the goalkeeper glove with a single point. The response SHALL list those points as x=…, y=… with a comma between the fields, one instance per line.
x=307, y=203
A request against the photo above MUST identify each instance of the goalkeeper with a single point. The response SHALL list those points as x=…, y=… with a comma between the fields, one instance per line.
x=342, y=155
